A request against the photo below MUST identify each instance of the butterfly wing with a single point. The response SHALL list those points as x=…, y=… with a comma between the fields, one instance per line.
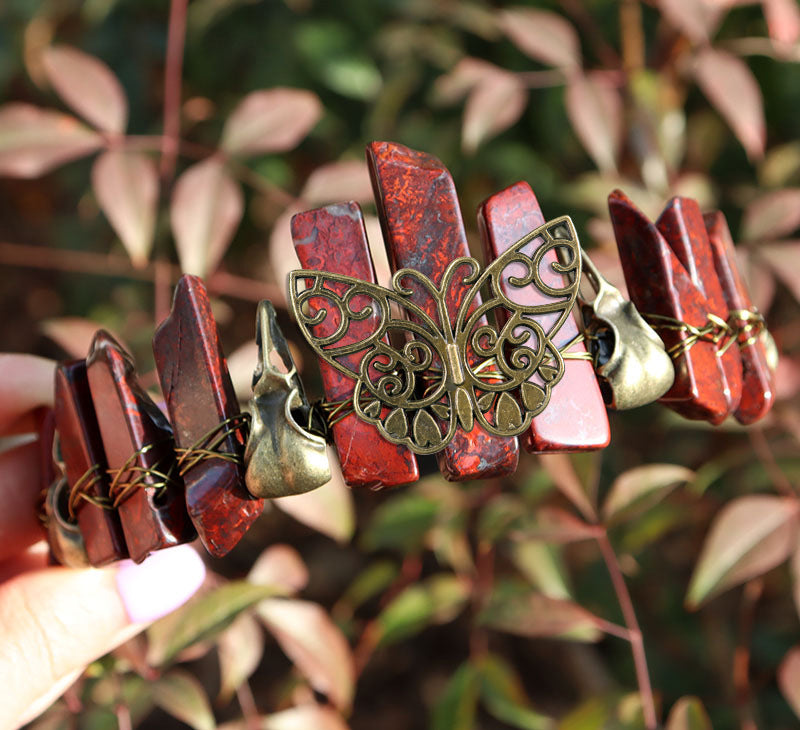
x=530, y=290
x=351, y=325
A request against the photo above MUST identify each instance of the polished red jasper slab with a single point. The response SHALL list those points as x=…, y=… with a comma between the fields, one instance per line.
x=658, y=284
x=575, y=418
x=152, y=517
x=81, y=450
x=423, y=230
x=682, y=226
x=334, y=239
x=199, y=395
x=758, y=393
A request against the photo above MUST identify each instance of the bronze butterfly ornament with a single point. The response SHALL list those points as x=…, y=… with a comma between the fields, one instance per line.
x=418, y=377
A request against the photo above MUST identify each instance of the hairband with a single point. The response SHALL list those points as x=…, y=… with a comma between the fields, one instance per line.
x=452, y=359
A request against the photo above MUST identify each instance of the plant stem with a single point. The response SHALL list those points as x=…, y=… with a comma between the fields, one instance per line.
x=634, y=632
x=741, y=658
x=762, y=448
x=176, y=36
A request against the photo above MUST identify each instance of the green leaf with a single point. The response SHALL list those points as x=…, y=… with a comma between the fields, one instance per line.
x=688, y=713
x=201, y=618
x=749, y=537
x=374, y=579
x=240, y=648
x=542, y=565
x=456, y=708
x=437, y=600
x=533, y=614
x=504, y=697
x=562, y=471
x=401, y=523
x=556, y=525
x=642, y=487
x=178, y=693
x=501, y=514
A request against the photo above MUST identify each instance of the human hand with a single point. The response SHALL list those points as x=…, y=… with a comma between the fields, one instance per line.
x=55, y=620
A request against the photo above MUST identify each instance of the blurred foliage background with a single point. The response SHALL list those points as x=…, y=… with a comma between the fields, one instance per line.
x=497, y=604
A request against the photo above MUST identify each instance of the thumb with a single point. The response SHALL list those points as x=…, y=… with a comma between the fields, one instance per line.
x=55, y=621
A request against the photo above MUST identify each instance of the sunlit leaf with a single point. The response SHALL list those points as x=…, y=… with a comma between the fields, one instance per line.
x=304, y=717
x=503, y=695
x=200, y=618
x=271, y=120
x=542, y=35
x=730, y=86
x=401, y=522
x=33, y=141
x=562, y=472
x=688, y=713
x=240, y=648
x=328, y=509
x=692, y=17
x=206, y=207
x=314, y=643
x=180, y=694
x=461, y=79
x=281, y=567
x=126, y=187
x=88, y=86
x=436, y=600
x=750, y=536
x=241, y=364
x=594, y=108
x=74, y=335
x=772, y=215
x=456, y=707
x=783, y=20
x=789, y=679
x=533, y=614
x=338, y=181
x=541, y=564
x=642, y=487
x=493, y=105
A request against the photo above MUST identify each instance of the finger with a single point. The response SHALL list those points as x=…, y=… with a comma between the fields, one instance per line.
x=26, y=382
x=20, y=488
x=56, y=621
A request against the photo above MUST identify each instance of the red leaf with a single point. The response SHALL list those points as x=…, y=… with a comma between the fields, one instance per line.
x=33, y=141
x=314, y=643
x=594, y=108
x=346, y=180
x=463, y=77
x=772, y=215
x=784, y=260
x=493, y=105
x=694, y=18
x=303, y=717
x=730, y=86
x=542, y=35
x=88, y=86
x=206, y=208
x=783, y=20
x=281, y=567
x=126, y=187
x=273, y=120
x=789, y=678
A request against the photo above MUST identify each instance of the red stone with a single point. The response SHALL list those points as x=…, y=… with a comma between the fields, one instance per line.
x=199, y=396
x=758, y=392
x=152, y=516
x=334, y=239
x=658, y=284
x=423, y=230
x=575, y=418
x=82, y=449
x=683, y=228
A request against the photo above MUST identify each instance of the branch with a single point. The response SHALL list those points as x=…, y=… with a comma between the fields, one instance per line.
x=176, y=36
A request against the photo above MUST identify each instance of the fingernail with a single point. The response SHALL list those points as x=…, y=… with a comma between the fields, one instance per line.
x=164, y=581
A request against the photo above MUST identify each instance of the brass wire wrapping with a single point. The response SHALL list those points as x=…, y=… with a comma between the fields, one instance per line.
x=208, y=446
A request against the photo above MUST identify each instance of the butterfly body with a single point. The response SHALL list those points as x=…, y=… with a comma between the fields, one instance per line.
x=448, y=371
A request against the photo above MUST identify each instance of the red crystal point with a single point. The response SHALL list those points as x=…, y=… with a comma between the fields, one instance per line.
x=334, y=239
x=136, y=434
x=575, y=418
x=423, y=230
x=758, y=392
x=82, y=450
x=683, y=228
x=199, y=396
x=658, y=284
